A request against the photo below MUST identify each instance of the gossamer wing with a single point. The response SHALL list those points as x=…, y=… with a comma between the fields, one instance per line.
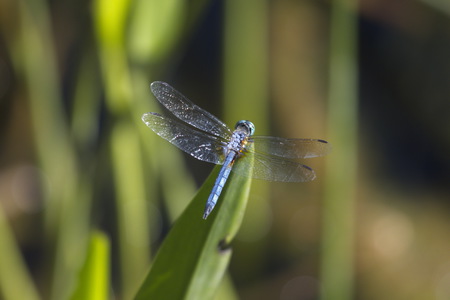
x=205, y=137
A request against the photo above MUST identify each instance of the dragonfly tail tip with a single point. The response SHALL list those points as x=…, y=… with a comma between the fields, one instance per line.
x=208, y=210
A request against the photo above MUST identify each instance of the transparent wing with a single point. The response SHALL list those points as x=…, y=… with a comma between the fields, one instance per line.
x=187, y=111
x=290, y=148
x=273, y=168
x=199, y=144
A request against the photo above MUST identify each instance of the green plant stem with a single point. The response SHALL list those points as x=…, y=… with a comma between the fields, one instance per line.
x=339, y=199
x=131, y=205
x=246, y=92
x=65, y=209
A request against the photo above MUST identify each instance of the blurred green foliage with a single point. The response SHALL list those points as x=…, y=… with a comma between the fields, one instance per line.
x=87, y=192
x=93, y=280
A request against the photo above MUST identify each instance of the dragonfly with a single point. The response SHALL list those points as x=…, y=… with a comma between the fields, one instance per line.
x=205, y=137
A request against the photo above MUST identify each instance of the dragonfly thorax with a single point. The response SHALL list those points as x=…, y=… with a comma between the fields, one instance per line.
x=243, y=130
x=237, y=142
x=245, y=126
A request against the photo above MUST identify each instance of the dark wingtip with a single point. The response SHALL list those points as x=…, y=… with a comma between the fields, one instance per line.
x=306, y=167
x=327, y=147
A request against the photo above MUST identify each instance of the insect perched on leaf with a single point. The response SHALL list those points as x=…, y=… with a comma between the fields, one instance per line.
x=205, y=137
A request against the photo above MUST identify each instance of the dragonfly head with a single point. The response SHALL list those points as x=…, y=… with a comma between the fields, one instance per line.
x=245, y=126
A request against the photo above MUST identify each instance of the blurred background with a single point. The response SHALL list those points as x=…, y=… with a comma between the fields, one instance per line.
x=372, y=78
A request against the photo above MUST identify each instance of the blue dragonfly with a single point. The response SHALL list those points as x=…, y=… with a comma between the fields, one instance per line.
x=205, y=137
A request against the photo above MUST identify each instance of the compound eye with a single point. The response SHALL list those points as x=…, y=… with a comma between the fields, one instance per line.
x=245, y=126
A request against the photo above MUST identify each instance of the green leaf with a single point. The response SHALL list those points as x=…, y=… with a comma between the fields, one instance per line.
x=93, y=282
x=193, y=258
